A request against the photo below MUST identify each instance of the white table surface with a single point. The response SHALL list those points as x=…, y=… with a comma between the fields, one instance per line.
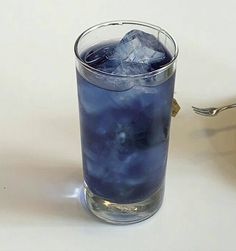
x=40, y=160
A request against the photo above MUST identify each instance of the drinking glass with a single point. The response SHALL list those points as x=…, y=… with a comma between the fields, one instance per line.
x=124, y=124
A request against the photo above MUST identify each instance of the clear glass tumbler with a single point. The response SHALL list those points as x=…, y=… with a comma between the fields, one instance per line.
x=124, y=122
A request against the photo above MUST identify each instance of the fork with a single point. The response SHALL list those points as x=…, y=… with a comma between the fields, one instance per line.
x=212, y=111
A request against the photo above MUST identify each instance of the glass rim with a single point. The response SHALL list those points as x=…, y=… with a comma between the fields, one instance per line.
x=121, y=22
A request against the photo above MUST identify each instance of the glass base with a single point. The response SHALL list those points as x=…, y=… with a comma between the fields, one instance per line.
x=123, y=213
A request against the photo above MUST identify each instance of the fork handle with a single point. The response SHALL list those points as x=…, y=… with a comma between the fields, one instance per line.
x=227, y=107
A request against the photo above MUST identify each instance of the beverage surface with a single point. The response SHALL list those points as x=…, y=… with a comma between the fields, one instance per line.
x=137, y=53
x=125, y=133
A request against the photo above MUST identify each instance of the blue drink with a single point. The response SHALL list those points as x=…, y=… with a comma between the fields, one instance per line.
x=125, y=119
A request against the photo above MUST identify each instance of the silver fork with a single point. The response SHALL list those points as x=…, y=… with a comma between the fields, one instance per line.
x=212, y=111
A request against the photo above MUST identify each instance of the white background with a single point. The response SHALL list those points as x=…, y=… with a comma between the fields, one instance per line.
x=40, y=162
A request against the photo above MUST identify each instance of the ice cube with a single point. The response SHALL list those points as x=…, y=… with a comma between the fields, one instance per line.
x=93, y=99
x=141, y=38
x=98, y=56
x=130, y=68
x=136, y=52
x=145, y=96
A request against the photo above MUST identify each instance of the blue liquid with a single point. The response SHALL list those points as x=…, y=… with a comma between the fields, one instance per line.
x=125, y=138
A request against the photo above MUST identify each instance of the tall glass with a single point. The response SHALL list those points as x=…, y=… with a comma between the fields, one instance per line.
x=124, y=122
